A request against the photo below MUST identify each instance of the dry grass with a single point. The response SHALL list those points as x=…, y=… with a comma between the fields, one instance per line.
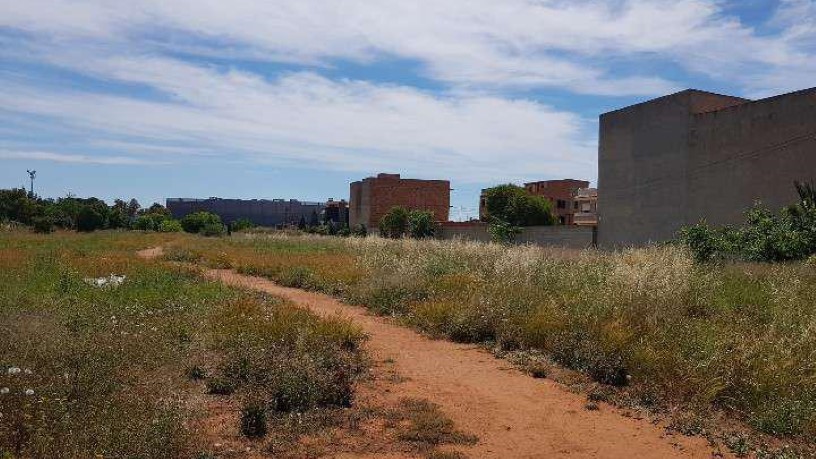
x=88, y=371
x=739, y=338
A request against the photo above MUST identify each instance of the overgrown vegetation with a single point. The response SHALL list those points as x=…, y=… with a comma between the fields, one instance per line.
x=401, y=222
x=510, y=207
x=80, y=214
x=735, y=338
x=789, y=234
x=117, y=371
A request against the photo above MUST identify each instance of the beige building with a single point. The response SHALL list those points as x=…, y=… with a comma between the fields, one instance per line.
x=585, y=207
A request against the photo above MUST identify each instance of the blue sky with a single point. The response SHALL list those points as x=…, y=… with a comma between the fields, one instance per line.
x=280, y=99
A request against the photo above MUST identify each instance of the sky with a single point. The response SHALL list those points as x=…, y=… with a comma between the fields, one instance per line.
x=295, y=99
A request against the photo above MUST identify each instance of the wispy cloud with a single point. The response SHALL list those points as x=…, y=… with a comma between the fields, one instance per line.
x=474, y=42
x=192, y=78
x=78, y=159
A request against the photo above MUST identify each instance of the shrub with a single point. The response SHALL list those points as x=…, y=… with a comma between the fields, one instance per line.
x=360, y=231
x=766, y=236
x=144, y=223
x=242, y=224
x=394, y=223
x=503, y=232
x=213, y=230
x=421, y=224
x=170, y=226
x=42, y=224
x=196, y=221
x=703, y=241
x=253, y=420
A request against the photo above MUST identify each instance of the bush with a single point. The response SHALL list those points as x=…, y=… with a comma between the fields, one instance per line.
x=394, y=223
x=766, y=236
x=170, y=226
x=359, y=231
x=196, y=221
x=213, y=230
x=144, y=223
x=703, y=241
x=421, y=224
x=253, y=421
x=242, y=224
x=42, y=225
x=503, y=232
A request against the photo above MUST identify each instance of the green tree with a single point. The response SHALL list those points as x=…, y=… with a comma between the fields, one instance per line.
x=145, y=223
x=16, y=205
x=515, y=205
x=394, y=223
x=90, y=218
x=421, y=224
x=196, y=221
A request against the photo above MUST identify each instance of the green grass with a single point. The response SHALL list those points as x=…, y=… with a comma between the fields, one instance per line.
x=736, y=338
x=106, y=371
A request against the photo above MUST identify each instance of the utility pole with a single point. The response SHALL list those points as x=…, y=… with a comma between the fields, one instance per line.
x=32, y=175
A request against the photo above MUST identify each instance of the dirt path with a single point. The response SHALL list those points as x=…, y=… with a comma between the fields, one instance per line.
x=514, y=415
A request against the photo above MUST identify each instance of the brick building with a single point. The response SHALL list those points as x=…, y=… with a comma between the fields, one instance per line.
x=373, y=197
x=336, y=212
x=694, y=155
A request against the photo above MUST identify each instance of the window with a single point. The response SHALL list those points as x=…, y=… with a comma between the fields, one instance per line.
x=561, y=204
x=576, y=205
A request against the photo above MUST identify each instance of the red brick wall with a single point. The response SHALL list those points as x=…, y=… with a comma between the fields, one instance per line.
x=373, y=197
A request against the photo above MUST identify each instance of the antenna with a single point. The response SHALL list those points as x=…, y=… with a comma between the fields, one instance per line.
x=32, y=175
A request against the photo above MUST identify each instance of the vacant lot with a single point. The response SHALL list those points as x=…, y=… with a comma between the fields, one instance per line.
x=733, y=341
x=162, y=363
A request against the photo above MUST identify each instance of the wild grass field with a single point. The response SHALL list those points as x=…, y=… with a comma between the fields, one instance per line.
x=732, y=339
x=89, y=371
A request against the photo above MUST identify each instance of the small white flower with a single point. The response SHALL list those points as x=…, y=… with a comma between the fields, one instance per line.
x=28, y=371
x=4, y=390
x=29, y=391
x=14, y=370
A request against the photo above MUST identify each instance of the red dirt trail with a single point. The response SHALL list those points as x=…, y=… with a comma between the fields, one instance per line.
x=513, y=414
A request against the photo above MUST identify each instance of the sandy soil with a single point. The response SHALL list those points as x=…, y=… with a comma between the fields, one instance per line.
x=513, y=414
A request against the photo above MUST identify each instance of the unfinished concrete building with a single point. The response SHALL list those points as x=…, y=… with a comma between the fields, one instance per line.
x=373, y=197
x=695, y=155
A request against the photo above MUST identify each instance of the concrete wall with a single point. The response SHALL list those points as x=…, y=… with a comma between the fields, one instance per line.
x=749, y=152
x=574, y=237
x=671, y=161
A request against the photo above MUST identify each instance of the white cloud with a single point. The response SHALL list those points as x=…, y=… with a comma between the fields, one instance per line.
x=538, y=43
x=72, y=158
x=477, y=48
